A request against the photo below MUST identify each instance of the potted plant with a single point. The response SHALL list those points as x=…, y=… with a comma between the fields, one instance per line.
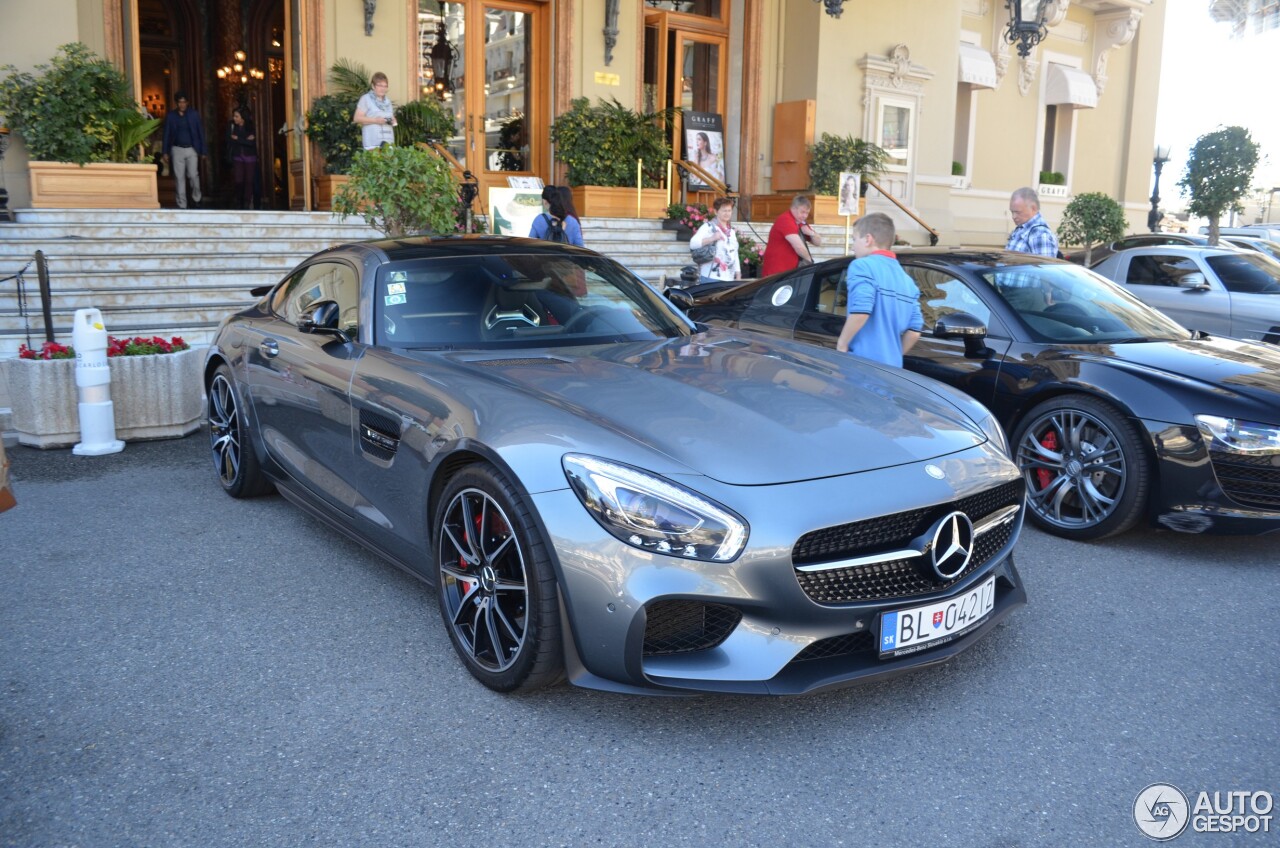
x=601, y=146
x=329, y=125
x=1091, y=218
x=748, y=255
x=833, y=155
x=155, y=391
x=82, y=131
x=685, y=218
x=400, y=191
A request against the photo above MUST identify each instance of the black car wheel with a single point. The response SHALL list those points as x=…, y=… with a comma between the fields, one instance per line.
x=233, y=456
x=497, y=587
x=1087, y=475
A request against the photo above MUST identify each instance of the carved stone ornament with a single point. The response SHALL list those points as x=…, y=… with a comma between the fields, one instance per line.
x=1109, y=32
x=894, y=70
x=1028, y=68
x=370, y=6
x=610, y=30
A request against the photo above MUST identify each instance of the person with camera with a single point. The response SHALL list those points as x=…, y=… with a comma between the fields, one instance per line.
x=789, y=239
x=376, y=115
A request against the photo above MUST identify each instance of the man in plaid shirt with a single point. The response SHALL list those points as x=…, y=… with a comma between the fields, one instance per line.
x=1031, y=233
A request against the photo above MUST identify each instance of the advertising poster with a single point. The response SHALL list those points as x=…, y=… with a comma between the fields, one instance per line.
x=513, y=210
x=704, y=145
x=850, y=190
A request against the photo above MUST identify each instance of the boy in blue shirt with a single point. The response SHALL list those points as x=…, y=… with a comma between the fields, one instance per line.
x=884, y=303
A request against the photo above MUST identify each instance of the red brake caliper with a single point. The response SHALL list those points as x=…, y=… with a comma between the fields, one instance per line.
x=1050, y=442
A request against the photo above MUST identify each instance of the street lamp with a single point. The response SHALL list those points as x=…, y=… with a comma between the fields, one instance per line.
x=1153, y=217
x=1027, y=26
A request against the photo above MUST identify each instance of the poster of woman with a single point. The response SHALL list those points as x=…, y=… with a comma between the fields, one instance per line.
x=850, y=191
x=704, y=146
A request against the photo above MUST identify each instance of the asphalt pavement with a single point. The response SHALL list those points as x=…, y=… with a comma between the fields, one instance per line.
x=183, y=669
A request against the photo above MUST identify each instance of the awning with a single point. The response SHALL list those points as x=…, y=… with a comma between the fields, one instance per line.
x=977, y=68
x=1069, y=87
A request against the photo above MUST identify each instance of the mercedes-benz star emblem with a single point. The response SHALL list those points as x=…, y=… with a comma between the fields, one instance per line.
x=952, y=545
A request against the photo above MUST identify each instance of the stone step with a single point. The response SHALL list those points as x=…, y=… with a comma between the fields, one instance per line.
x=44, y=234
x=177, y=217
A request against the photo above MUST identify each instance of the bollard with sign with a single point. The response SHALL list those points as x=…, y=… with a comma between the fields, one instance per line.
x=93, y=382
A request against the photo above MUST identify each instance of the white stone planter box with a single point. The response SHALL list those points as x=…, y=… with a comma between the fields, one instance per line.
x=154, y=397
x=1045, y=190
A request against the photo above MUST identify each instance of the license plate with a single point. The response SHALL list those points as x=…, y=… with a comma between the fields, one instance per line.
x=907, y=631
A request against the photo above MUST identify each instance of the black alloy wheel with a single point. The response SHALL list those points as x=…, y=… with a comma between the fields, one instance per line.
x=1086, y=472
x=233, y=456
x=497, y=589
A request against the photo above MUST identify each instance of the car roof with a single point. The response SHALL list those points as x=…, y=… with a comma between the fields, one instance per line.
x=977, y=257
x=436, y=246
x=1177, y=250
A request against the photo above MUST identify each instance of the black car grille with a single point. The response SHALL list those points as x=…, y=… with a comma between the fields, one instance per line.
x=838, y=646
x=901, y=578
x=1249, y=480
x=678, y=627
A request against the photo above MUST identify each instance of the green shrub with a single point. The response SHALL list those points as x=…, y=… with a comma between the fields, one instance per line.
x=329, y=126
x=1053, y=178
x=600, y=144
x=423, y=120
x=66, y=111
x=400, y=191
x=834, y=154
x=1091, y=218
x=957, y=169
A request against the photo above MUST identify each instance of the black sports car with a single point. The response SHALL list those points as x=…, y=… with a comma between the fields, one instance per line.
x=1116, y=412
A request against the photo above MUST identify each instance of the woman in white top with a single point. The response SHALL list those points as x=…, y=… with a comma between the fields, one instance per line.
x=376, y=115
x=724, y=265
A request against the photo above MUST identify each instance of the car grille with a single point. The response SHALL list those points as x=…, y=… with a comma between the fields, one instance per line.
x=678, y=627
x=838, y=646
x=901, y=578
x=1249, y=480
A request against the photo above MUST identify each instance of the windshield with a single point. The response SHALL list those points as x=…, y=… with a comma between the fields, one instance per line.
x=1067, y=304
x=516, y=301
x=1249, y=272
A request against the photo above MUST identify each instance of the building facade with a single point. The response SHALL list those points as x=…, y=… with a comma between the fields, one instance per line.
x=964, y=118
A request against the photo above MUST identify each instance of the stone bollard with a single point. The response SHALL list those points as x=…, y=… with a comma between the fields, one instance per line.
x=93, y=383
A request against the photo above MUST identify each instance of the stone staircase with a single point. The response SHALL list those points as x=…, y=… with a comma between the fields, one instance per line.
x=174, y=272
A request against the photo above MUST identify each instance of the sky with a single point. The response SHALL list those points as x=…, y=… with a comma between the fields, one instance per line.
x=1208, y=80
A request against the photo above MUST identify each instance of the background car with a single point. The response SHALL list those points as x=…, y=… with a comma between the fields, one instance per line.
x=1264, y=246
x=1225, y=291
x=1266, y=231
x=599, y=490
x=1139, y=240
x=1116, y=413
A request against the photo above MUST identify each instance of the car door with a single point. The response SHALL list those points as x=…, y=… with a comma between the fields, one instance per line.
x=1253, y=283
x=299, y=382
x=974, y=370
x=776, y=308
x=825, y=306
x=1159, y=280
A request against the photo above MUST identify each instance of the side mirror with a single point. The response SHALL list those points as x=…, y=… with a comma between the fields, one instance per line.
x=1194, y=281
x=680, y=298
x=962, y=325
x=322, y=319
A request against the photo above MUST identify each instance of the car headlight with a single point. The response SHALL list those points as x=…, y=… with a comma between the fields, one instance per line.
x=1238, y=435
x=995, y=433
x=654, y=514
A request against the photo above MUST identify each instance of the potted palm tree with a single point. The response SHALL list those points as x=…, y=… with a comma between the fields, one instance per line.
x=601, y=146
x=83, y=132
x=830, y=157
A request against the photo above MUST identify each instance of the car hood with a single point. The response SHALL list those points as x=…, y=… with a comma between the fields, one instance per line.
x=1246, y=368
x=741, y=411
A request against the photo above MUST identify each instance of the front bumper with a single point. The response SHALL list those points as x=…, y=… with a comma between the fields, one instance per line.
x=776, y=639
x=1211, y=492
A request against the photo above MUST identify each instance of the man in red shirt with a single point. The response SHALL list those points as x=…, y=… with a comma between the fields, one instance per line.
x=790, y=238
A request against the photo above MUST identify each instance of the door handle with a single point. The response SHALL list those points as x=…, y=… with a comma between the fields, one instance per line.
x=270, y=349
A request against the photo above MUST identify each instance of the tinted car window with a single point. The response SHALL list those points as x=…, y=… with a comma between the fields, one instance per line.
x=509, y=300
x=1156, y=270
x=318, y=282
x=833, y=293
x=1067, y=304
x=941, y=294
x=1246, y=272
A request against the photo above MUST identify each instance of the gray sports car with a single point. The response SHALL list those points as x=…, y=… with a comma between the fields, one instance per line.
x=601, y=489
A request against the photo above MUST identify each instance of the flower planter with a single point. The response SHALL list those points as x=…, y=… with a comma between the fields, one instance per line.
x=597, y=202
x=326, y=188
x=153, y=397
x=98, y=185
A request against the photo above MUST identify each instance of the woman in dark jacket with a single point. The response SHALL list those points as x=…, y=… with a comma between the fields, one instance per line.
x=244, y=156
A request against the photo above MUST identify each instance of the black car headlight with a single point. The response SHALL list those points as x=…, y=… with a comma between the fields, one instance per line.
x=655, y=514
x=1239, y=436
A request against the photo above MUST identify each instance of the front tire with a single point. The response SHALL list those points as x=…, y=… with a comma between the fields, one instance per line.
x=497, y=586
x=234, y=458
x=1087, y=474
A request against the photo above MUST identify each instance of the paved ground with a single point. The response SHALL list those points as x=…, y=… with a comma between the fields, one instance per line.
x=183, y=669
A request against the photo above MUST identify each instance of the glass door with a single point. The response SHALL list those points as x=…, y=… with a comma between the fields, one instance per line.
x=487, y=62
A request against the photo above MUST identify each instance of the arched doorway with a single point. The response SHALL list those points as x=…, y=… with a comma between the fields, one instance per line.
x=266, y=46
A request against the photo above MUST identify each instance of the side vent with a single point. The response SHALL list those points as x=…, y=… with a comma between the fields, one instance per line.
x=379, y=435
